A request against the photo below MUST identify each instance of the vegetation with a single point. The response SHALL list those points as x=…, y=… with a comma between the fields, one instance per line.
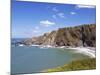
x=85, y=64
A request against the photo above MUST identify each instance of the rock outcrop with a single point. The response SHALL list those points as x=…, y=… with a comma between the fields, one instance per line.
x=83, y=35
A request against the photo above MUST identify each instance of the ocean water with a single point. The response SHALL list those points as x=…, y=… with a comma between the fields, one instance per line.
x=27, y=59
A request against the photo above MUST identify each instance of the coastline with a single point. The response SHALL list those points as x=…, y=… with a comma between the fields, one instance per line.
x=89, y=51
x=83, y=64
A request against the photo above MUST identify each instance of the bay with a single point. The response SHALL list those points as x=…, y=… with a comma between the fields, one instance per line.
x=27, y=59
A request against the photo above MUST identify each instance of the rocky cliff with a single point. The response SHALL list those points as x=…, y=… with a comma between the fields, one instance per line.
x=83, y=35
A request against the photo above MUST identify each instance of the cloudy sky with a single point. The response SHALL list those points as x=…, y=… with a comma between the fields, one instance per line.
x=33, y=18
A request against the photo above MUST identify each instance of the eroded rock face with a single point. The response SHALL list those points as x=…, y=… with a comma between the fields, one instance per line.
x=84, y=35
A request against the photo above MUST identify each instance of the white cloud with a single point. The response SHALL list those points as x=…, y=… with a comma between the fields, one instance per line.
x=47, y=23
x=72, y=13
x=55, y=9
x=61, y=15
x=85, y=6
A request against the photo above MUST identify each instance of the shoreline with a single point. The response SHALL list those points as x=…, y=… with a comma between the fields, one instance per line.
x=89, y=51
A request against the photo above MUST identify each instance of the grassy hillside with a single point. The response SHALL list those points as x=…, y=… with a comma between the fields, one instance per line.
x=85, y=64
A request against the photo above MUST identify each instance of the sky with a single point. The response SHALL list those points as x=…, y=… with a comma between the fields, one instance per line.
x=31, y=19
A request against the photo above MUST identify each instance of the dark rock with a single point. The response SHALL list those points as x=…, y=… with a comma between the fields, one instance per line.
x=83, y=35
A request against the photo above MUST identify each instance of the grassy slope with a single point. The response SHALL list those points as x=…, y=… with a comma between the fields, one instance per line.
x=85, y=64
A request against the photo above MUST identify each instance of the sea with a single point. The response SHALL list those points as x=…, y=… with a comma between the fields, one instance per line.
x=34, y=59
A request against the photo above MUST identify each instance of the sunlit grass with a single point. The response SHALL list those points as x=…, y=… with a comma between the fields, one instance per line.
x=85, y=64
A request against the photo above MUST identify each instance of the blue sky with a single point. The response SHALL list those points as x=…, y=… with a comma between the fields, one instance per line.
x=31, y=19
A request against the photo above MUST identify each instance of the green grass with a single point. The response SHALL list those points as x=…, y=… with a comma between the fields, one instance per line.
x=85, y=64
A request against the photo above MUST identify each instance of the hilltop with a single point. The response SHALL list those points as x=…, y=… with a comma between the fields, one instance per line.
x=82, y=35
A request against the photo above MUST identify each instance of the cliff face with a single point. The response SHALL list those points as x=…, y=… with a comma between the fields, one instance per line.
x=84, y=35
